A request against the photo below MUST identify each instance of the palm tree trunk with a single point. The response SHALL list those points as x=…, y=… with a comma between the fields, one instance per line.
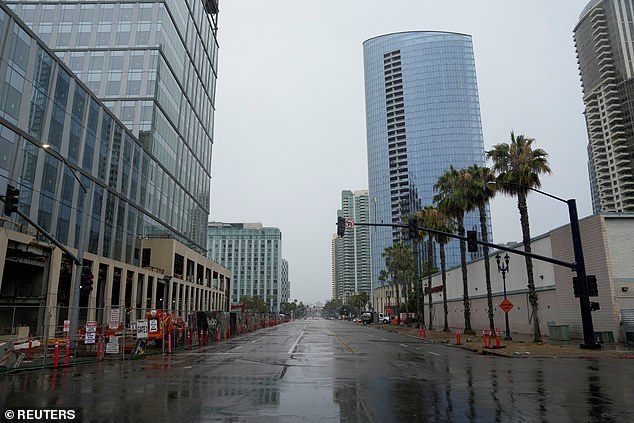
x=443, y=269
x=487, y=265
x=465, y=283
x=526, y=240
x=430, y=257
x=398, y=306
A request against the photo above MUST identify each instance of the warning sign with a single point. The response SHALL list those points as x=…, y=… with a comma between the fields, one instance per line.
x=141, y=329
x=66, y=325
x=506, y=305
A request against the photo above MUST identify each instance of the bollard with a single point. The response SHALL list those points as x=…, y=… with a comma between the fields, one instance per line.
x=200, y=338
x=189, y=338
x=458, y=337
x=56, y=355
x=28, y=352
x=217, y=334
x=420, y=330
x=424, y=331
x=67, y=350
x=497, y=339
x=490, y=339
x=169, y=342
x=484, y=338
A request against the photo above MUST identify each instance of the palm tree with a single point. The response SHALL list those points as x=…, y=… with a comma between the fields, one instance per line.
x=400, y=265
x=518, y=167
x=453, y=202
x=425, y=219
x=435, y=219
x=480, y=188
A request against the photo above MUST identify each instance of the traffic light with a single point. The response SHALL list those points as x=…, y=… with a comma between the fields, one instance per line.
x=593, y=289
x=86, y=279
x=412, y=228
x=11, y=200
x=472, y=241
x=594, y=306
x=341, y=226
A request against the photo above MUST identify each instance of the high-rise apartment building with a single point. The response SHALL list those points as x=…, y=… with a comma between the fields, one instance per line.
x=85, y=179
x=351, y=253
x=604, y=38
x=422, y=115
x=154, y=64
x=253, y=253
x=285, y=283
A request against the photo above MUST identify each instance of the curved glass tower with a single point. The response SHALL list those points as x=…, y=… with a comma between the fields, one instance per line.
x=422, y=115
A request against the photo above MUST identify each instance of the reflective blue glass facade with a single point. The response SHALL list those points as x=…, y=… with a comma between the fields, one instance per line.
x=422, y=115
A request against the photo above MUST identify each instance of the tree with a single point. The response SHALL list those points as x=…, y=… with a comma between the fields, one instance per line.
x=434, y=218
x=359, y=301
x=254, y=304
x=453, y=202
x=518, y=167
x=400, y=267
x=480, y=188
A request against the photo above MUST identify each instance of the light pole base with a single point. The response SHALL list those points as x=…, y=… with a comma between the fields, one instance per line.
x=508, y=338
x=595, y=346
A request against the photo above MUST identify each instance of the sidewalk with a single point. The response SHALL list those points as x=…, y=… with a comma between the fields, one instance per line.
x=520, y=346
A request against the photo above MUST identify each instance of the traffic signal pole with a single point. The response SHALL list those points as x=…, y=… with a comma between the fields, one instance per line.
x=578, y=265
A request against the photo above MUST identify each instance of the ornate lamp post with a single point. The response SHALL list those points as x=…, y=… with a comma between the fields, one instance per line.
x=503, y=268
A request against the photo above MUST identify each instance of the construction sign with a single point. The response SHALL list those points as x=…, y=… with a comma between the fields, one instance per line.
x=506, y=305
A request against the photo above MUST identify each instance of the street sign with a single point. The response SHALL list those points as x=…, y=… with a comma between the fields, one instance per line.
x=506, y=305
x=91, y=332
x=153, y=326
x=141, y=329
x=66, y=325
x=349, y=223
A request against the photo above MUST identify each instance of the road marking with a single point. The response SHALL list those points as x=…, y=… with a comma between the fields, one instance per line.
x=296, y=342
x=403, y=345
x=345, y=345
x=434, y=353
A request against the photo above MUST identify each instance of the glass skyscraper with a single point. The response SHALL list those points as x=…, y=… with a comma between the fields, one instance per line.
x=604, y=37
x=154, y=64
x=422, y=115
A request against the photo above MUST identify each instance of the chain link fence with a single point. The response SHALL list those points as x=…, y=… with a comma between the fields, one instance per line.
x=39, y=337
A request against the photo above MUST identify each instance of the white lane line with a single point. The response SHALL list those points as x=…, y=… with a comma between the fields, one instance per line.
x=403, y=345
x=296, y=342
x=434, y=353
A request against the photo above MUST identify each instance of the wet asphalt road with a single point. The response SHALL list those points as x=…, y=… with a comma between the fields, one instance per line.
x=331, y=371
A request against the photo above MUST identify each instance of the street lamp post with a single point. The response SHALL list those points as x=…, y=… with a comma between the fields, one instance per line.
x=79, y=263
x=503, y=268
x=579, y=266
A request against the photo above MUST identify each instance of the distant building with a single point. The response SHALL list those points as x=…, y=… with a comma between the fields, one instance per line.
x=351, y=253
x=285, y=284
x=253, y=253
x=604, y=39
x=422, y=115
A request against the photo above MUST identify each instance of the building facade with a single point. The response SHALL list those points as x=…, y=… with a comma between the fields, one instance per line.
x=422, y=115
x=603, y=38
x=82, y=178
x=154, y=64
x=253, y=254
x=285, y=283
x=351, y=253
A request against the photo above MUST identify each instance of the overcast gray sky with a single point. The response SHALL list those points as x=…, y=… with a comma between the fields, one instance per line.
x=290, y=129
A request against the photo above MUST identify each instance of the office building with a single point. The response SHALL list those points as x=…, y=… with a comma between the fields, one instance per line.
x=422, y=115
x=253, y=253
x=85, y=179
x=604, y=38
x=154, y=65
x=351, y=253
